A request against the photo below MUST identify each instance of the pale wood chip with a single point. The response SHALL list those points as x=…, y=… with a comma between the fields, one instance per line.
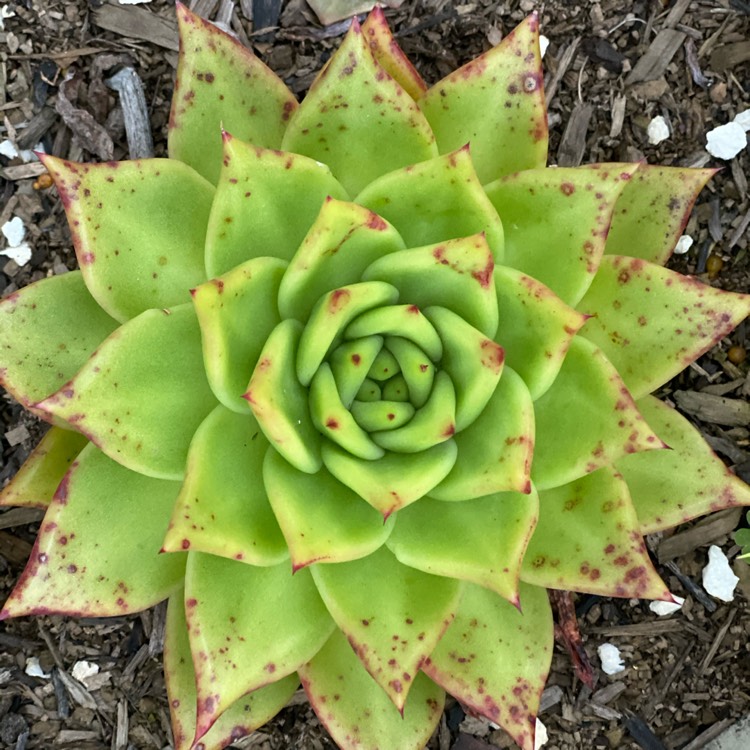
x=138, y=23
x=704, y=532
x=732, y=412
x=654, y=62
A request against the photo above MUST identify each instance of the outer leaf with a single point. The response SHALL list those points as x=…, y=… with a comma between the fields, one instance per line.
x=651, y=323
x=536, y=328
x=237, y=313
x=138, y=228
x=556, y=222
x=392, y=615
x=82, y=561
x=351, y=110
x=143, y=394
x=342, y=242
x=495, y=659
x=36, y=481
x=244, y=625
x=674, y=486
x=265, y=203
x=222, y=507
x=439, y=200
x=586, y=420
x=322, y=519
x=653, y=210
x=48, y=330
x=496, y=103
x=482, y=541
x=242, y=717
x=355, y=710
x=221, y=84
x=588, y=539
x=494, y=452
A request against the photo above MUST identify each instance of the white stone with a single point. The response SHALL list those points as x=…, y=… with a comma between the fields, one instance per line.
x=14, y=231
x=657, y=130
x=667, y=608
x=609, y=655
x=8, y=150
x=132, y=2
x=540, y=735
x=21, y=254
x=34, y=669
x=683, y=244
x=543, y=44
x=726, y=141
x=718, y=578
x=743, y=119
x=5, y=12
x=82, y=670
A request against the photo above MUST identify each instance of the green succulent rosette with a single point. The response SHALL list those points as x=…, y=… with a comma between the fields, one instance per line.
x=352, y=382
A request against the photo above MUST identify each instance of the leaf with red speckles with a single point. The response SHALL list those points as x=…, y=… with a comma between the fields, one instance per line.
x=495, y=451
x=36, y=481
x=265, y=203
x=340, y=528
x=438, y=200
x=356, y=711
x=651, y=323
x=456, y=274
x=495, y=103
x=586, y=420
x=495, y=659
x=82, y=563
x=221, y=84
x=393, y=615
x=482, y=540
x=222, y=508
x=224, y=306
x=130, y=397
x=588, y=539
x=52, y=315
x=241, y=718
x=653, y=210
x=344, y=239
x=138, y=228
x=389, y=55
x=674, y=486
x=352, y=110
x=536, y=328
x=244, y=626
x=556, y=222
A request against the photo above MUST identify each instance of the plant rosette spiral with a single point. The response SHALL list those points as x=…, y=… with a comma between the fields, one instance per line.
x=352, y=382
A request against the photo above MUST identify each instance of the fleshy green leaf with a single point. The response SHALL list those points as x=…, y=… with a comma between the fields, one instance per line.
x=352, y=110
x=342, y=242
x=536, y=328
x=674, y=486
x=417, y=373
x=48, y=330
x=243, y=717
x=244, y=625
x=495, y=659
x=222, y=507
x=438, y=200
x=588, y=539
x=653, y=210
x=482, y=541
x=494, y=452
x=350, y=363
x=130, y=398
x=651, y=323
x=265, y=203
x=221, y=84
x=586, y=420
x=556, y=222
x=355, y=710
x=138, y=228
x=36, y=481
x=392, y=615
x=84, y=559
x=237, y=313
x=495, y=103
x=322, y=519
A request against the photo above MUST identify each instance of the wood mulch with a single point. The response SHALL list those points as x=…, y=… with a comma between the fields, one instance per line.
x=610, y=68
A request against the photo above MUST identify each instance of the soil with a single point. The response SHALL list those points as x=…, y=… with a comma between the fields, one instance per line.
x=607, y=77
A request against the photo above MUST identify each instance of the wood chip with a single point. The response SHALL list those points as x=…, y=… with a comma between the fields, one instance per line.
x=138, y=23
x=729, y=56
x=732, y=412
x=77, y=692
x=704, y=532
x=23, y=171
x=573, y=141
x=16, y=551
x=133, y=102
x=654, y=62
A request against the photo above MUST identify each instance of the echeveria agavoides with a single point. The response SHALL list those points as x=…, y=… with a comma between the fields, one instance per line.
x=353, y=382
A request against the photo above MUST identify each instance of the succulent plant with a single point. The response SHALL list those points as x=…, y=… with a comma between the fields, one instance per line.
x=409, y=393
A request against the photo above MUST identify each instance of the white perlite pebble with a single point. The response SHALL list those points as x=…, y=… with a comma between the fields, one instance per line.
x=543, y=44
x=657, y=130
x=21, y=254
x=14, y=231
x=743, y=119
x=683, y=244
x=540, y=735
x=82, y=670
x=718, y=578
x=726, y=141
x=8, y=150
x=609, y=655
x=666, y=608
x=34, y=669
